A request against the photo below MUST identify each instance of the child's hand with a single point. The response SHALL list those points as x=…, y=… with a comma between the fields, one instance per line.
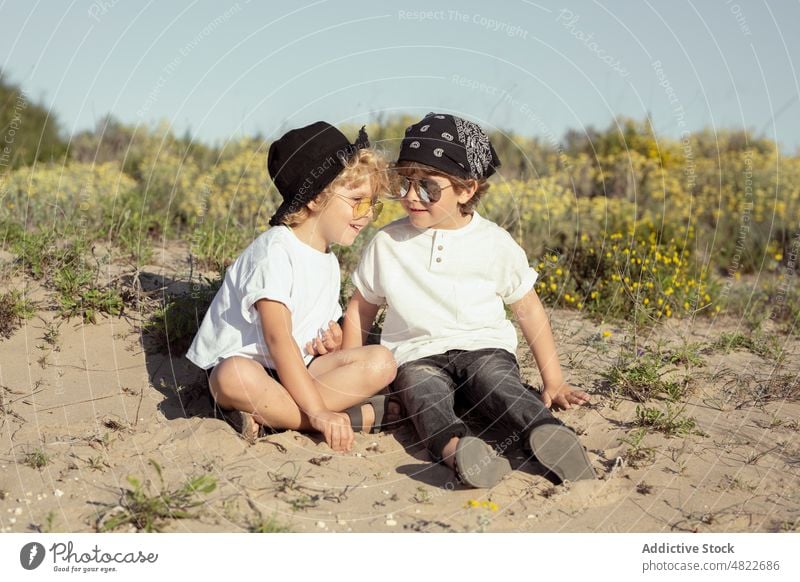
x=563, y=396
x=326, y=342
x=335, y=427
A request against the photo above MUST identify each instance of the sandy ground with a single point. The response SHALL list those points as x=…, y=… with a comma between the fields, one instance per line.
x=99, y=409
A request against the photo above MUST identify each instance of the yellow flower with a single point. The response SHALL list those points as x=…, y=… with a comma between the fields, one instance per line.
x=646, y=301
x=606, y=333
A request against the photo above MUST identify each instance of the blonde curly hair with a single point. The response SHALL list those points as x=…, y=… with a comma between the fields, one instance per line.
x=366, y=164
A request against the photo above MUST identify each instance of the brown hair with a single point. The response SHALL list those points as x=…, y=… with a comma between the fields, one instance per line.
x=366, y=164
x=459, y=184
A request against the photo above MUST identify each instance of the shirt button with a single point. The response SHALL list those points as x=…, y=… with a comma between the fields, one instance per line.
x=438, y=259
x=440, y=247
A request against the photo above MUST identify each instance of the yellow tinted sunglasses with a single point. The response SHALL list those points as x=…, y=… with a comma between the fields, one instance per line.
x=363, y=207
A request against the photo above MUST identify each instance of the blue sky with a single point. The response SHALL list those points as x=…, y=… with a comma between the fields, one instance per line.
x=226, y=69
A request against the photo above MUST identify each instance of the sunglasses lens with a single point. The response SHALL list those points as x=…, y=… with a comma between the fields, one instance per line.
x=365, y=206
x=361, y=208
x=405, y=186
x=429, y=191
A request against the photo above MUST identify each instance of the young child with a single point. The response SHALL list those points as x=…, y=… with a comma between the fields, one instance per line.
x=266, y=322
x=444, y=273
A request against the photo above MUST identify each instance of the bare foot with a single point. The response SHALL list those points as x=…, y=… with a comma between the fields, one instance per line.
x=449, y=453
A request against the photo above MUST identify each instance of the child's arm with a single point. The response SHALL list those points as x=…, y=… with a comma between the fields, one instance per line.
x=535, y=325
x=276, y=324
x=358, y=319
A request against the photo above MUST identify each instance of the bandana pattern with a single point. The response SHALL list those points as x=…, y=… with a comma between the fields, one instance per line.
x=450, y=144
x=476, y=142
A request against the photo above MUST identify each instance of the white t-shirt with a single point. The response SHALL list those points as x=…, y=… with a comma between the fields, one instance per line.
x=444, y=289
x=276, y=266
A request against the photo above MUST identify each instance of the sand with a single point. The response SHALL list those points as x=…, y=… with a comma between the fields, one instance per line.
x=101, y=409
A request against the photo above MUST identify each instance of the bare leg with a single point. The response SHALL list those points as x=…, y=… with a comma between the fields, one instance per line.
x=343, y=379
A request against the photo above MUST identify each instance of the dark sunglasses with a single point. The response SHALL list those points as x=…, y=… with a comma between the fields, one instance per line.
x=428, y=190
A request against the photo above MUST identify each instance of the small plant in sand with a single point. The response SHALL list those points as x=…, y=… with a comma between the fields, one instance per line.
x=641, y=378
x=788, y=525
x=255, y=521
x=38, y=254
x=422, y=496
x=36, y=459
x=667, y=421
x=214, y=246
x=290, y=487
x=759, y=344
x=97, y=463
x=14, y=308
x=47, y=526
x=51, y=334
x=688, y=354
x=149, y=511
x=88, y=303
x=637, y=455
x=64, y=268
x=729, y=482
x=269, y=524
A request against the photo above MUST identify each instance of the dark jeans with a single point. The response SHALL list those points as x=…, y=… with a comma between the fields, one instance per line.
x=487, y=381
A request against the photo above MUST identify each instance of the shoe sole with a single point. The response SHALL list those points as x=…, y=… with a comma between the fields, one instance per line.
x=558, y=448
x=477, y=465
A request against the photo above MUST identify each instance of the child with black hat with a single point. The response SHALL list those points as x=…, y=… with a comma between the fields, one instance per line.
x=279, y=300
x=445, y=273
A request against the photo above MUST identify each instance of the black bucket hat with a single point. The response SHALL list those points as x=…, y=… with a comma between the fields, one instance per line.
x=450, y=144
x=304, y=161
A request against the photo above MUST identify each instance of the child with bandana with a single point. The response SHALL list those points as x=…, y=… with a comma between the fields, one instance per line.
x=444, y=274
x=277, y=306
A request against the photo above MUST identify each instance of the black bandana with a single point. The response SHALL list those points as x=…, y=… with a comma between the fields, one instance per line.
x=450, y=144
